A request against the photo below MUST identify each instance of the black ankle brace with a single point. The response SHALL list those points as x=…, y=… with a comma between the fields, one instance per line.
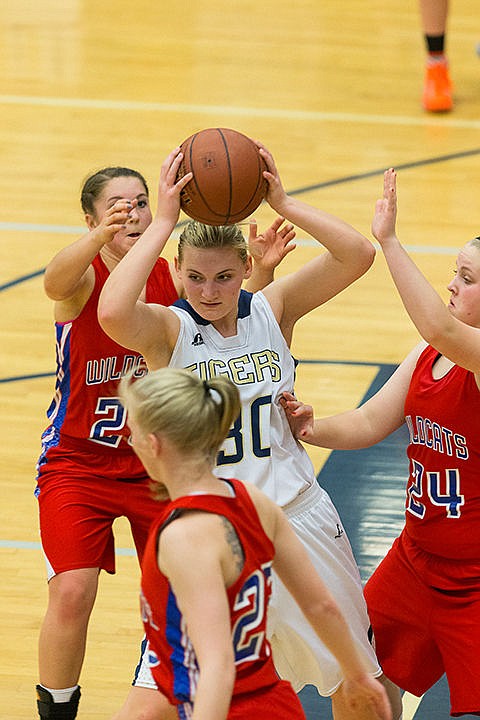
x=49, y=710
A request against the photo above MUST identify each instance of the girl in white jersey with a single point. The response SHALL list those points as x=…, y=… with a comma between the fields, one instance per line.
x=222, y=329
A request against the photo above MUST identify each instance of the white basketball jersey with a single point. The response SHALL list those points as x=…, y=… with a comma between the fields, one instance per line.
x=260, y=447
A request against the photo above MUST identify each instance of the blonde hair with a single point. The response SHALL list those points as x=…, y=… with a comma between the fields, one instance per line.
x=194, y=414
x=200, y=236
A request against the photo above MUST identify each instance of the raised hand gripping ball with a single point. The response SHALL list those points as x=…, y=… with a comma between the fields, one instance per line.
x=228, y=183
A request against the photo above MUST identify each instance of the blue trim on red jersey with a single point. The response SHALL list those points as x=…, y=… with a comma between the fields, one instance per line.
x=182, y=656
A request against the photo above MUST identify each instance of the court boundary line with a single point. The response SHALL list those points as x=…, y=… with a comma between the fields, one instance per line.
x=27, y=545
x=237, y=111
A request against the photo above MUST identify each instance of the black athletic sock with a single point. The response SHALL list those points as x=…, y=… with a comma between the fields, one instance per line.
x=435, y=44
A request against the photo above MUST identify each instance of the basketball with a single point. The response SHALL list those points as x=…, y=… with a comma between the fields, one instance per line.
x=228, y=183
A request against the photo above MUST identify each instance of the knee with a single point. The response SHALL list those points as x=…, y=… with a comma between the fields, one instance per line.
x=145, y=713
x=146, y=704
x=71, y=597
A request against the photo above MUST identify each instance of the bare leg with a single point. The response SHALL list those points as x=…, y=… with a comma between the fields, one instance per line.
x=146, y=704
x=434, y=15
x=63, y=636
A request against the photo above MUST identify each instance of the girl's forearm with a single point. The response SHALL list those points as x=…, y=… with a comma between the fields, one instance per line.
x=334, y=632
x=424, y=305
x=336, y=235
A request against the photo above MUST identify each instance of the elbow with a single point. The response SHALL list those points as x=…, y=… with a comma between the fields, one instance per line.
x=327, y=609
x=438, y=328
x=359, y=258
x=438, y=336
x=366, y=255
x=322, y=612
x=106, y=316
x=47, y=286
x=52, y=290
x=432, y=335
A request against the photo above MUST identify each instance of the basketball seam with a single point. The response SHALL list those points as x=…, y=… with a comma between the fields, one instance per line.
x=212, y=211
x=230, y=177
x=228, y=216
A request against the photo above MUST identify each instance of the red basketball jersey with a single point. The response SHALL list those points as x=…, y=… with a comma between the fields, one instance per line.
x=173, y=662
x=443, y=490
x=85, y=407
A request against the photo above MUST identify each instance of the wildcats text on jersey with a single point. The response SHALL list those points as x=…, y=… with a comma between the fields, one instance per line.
x=441, y=439
x=113, y=368
x=244, y=369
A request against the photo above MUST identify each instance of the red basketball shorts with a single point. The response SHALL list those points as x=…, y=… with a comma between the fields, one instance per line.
x=421, y=630
x=80, y=494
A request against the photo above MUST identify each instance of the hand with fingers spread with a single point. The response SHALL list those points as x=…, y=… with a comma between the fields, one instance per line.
x=269, y=248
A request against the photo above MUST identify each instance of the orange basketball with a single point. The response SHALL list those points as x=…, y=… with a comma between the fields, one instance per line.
x=228, y=183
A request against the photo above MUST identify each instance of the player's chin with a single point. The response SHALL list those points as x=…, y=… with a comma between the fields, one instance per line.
x=210, y=309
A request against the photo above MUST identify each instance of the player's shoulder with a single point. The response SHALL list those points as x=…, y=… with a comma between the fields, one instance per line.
x=194, y=537
x=189, y=525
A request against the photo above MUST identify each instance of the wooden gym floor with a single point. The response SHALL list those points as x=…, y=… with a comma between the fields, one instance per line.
x=333, y=90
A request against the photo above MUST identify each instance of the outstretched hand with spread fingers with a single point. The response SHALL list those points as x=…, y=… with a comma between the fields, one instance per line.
x=269, y=248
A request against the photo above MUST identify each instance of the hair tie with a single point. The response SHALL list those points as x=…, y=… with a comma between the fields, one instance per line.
x=212, y=393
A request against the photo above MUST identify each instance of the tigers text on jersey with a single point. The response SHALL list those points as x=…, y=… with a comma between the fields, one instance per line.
x=443, y=491
x=172, y=657
x=260, y=447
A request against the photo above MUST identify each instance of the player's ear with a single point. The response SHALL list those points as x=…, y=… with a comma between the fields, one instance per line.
x=176, y=265
x=90, y=221
x=154, y=443
x=248, y=267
